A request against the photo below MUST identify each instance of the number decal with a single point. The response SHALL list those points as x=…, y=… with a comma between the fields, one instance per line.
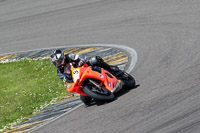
x=75, y=74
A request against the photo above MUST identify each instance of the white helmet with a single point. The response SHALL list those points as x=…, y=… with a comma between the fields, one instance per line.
x=58, y=58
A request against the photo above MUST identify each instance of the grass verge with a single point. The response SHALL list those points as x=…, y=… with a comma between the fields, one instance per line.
x=26, y=87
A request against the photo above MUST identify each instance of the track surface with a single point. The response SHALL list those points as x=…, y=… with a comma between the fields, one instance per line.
x=165, y=34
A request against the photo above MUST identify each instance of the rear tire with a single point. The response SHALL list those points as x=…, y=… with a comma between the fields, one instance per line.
x=128, y=80
x=99, y=97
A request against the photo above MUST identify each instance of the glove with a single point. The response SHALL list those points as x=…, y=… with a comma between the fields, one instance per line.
x=81, y=63
x=67, y=78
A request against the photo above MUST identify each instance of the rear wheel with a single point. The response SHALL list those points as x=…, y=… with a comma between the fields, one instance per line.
x=129, y=81
x=99, y=93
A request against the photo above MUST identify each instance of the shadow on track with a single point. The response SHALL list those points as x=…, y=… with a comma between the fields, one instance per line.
x=118, y=94
x=124, y=91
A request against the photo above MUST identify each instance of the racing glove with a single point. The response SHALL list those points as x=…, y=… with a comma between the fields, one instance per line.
x=67, y=78
x=81, y=63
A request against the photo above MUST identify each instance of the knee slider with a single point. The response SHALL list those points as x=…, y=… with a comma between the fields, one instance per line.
x=96, y=60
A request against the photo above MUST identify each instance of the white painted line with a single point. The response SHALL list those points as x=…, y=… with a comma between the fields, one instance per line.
x=56, y=118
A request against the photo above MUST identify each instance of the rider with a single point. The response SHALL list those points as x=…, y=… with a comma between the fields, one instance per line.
x=64, y=63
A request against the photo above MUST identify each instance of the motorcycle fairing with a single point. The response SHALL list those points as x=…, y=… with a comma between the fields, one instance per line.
x=81, y=74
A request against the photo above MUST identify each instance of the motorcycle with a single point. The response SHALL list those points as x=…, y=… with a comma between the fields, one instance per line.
x=98, y=83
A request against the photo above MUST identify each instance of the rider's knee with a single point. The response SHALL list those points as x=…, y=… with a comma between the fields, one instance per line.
x=96, y=60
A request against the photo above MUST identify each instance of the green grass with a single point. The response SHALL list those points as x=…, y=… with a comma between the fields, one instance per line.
x=27, y=86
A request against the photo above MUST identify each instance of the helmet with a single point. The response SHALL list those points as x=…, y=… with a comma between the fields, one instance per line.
x=58, y=58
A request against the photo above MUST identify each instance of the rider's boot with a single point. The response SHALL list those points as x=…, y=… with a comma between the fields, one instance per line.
x=98, y=61
x=114, y=69
x=86, y=100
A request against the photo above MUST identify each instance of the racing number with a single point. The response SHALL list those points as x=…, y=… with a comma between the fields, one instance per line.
x=75, y=72
x=76, y=75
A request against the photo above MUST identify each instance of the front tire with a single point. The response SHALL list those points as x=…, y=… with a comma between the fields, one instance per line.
x=98, y=96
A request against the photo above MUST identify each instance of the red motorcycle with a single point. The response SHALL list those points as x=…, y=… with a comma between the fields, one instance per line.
x=98, y=83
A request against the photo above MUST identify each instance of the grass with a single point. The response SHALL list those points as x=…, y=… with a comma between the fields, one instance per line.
x=26, y=87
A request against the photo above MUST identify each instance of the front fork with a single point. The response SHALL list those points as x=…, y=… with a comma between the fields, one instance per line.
x=98, y=88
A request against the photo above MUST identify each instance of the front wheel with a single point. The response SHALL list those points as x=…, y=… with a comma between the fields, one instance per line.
x=103, y=95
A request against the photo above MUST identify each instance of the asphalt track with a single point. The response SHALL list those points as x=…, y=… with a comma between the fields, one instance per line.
x=165, y=35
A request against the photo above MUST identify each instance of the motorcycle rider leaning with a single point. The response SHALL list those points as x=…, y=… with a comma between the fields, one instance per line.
x=64, y=63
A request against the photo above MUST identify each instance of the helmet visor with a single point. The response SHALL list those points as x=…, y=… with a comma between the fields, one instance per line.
x=58, y=62
x=58, y=59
